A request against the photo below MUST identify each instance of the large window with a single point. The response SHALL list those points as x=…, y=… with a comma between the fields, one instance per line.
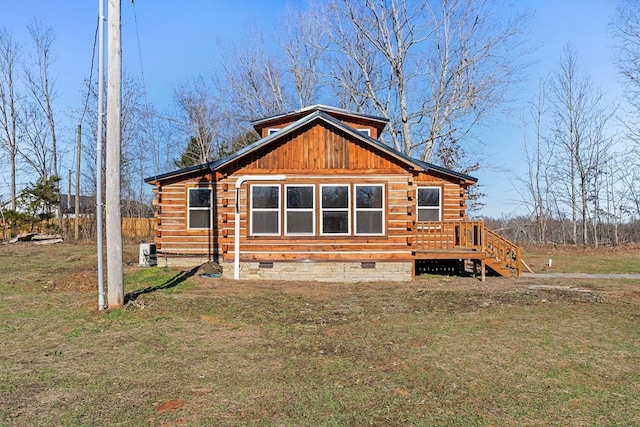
x=334, y=208
x=369, y=209
x=299, y=206
x=265, y=210
x=429, y=203
x=317, y=210
x=199, y=208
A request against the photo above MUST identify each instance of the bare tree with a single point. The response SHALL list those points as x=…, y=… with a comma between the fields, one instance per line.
x=254, y=79
x=304, y=47
x=580, y=118
x=10, y=54
x=434, y=68
x=538, y=156
x=626, y=29
x=41, y=84
x=133, y=122
x=200, y=121
x=36, y=148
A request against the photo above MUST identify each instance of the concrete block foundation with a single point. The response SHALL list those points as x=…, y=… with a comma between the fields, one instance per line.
x=322, y=271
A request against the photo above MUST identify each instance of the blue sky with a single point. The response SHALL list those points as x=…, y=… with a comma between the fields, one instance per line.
x=179, y=41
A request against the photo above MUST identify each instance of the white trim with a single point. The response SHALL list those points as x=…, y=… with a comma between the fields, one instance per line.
x=312, y=210
x=252, y=209
x=236, y=220
x=347, y=209
x=327, y=252
x=381, y=209
x=199, y=208
x=365, y=131
x=438, y=208
x=271, y=131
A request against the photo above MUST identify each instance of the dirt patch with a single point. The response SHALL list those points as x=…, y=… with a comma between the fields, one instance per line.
x=209, y=269
x=170, y=405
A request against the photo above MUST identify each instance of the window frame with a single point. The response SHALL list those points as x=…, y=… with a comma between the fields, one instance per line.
x=322, y=210
x=365, y=131
x=312, y=210
x=381, y=209
x=199, y=208
x=431, y=208
x=252, y=210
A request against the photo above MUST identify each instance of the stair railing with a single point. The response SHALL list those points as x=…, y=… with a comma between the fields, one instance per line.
x=508, y=254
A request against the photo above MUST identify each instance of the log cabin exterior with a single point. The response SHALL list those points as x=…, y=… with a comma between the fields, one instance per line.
x=319, y=197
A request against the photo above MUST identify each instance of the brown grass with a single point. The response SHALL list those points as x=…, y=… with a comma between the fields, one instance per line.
x=436, y=351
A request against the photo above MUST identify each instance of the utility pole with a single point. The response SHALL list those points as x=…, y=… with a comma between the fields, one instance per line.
x=115, y=288
x=99, y=133
x=68, y=192
x=76, y=229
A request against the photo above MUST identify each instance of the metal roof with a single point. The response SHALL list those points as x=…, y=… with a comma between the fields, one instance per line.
x=321, y=107
x=317, y=114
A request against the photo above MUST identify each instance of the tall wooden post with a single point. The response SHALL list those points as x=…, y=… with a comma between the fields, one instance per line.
x=76, y=229
x=115, y=288
x=68, y=192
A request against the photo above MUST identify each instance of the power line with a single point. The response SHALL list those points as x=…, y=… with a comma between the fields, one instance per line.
x=93, y=57
x=144, y=84
x=86, y=100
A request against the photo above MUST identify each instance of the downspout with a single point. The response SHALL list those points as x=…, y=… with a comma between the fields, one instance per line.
x=236, y=240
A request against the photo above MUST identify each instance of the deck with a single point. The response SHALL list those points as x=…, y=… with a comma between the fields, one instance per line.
x=468, y=240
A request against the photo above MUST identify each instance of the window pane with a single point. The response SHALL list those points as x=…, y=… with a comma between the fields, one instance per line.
x=369, y=196
x=199, y=218
x=428, y=215
x=335, y=197
x=299, y=222
x=265, y=197
x=199, y=198
x=428, y=197
x=265, y=222
x=369, y=222
x=335, y=222
x=299, y=197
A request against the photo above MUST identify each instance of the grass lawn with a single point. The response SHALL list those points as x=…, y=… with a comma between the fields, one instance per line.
x=194, y=351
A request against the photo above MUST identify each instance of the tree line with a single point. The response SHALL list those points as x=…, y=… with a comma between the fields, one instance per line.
x=583, y=180
x=436, y=69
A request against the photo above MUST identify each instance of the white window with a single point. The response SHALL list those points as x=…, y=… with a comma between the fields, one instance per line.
x=199, y=208
x=334, y=215
x=271, y=131
x=366, y=132
x=299, y=216
x=369, y=209
x=429, y=203
x=265, y=210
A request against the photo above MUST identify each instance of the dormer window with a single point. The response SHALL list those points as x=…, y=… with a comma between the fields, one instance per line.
x=366, y=132
x=271, y=131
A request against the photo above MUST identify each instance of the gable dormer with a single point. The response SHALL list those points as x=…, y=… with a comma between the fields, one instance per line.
x=368, y=125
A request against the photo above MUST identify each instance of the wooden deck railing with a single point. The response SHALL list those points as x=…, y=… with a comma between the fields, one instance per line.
x=467, y=236
x=448, y=235
x=499, y=248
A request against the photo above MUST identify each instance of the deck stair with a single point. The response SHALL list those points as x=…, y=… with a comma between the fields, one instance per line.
x=503, y=257
x=469, y=240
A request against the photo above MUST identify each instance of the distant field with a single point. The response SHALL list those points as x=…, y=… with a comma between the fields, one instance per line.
x=190, y=350
x=570, y=259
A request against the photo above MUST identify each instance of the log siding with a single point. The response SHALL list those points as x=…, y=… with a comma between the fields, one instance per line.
x=313, y=152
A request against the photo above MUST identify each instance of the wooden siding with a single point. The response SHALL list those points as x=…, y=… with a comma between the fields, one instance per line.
x=314, y=155
x=172, y=233
x=393, y=245
x=317, y=148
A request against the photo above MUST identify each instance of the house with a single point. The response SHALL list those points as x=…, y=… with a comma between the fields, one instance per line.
x=67, y=205
x=87, y=207
x=319, y=197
